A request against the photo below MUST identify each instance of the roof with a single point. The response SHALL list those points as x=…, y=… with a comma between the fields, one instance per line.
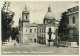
x=32, y=25
x=73, y=10
x=41, y=24
x=49, y=14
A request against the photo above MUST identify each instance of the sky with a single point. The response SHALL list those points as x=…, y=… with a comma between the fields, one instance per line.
x=38, y=9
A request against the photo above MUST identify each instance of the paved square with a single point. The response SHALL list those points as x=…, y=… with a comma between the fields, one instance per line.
x=35, y=48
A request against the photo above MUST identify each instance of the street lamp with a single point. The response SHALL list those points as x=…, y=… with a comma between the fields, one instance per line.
x=57, y=36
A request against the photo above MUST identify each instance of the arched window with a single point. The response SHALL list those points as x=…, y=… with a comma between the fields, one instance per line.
x=26, y=30
x=73, y=19
x=49, y=33
x=26, y=16
x=42, y=35
x=30, y=30
x=40, y=30
x=49, y=29
x=44, y=30
x=47, y=21
x=35, y=30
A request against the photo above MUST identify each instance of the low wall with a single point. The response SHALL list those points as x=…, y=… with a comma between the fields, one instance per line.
x=68, y=44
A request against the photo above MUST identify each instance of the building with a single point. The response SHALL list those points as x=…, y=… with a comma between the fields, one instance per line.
x=28, y=31
x=41, y=33
x=73, y=16
x=46, y=31
x=73, y=23
x=69, y=27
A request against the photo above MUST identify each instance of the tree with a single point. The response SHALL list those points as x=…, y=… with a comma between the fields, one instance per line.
x=15, y=33
x=63, y=31
x=7, y=21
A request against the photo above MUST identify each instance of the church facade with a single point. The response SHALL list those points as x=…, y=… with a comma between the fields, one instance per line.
x=28, y=31
x=41, y=33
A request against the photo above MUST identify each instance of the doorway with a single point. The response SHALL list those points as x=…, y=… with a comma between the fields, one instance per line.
x=34, y=40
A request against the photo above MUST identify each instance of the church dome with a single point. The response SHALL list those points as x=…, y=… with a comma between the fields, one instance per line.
x=49, y=14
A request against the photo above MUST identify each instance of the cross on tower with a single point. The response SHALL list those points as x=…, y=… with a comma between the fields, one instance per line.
x=49, y=8
x=25, y=8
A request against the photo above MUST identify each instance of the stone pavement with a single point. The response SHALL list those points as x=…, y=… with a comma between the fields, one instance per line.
x=35, y=48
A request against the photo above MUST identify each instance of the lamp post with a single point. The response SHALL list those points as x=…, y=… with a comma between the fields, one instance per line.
x=57, y=36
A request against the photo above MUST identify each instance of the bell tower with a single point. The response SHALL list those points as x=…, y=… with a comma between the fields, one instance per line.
x=23, y=24
x=25, y=15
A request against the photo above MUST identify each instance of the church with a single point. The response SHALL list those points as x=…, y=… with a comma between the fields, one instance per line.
x=38, y=33
x=28, y=31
